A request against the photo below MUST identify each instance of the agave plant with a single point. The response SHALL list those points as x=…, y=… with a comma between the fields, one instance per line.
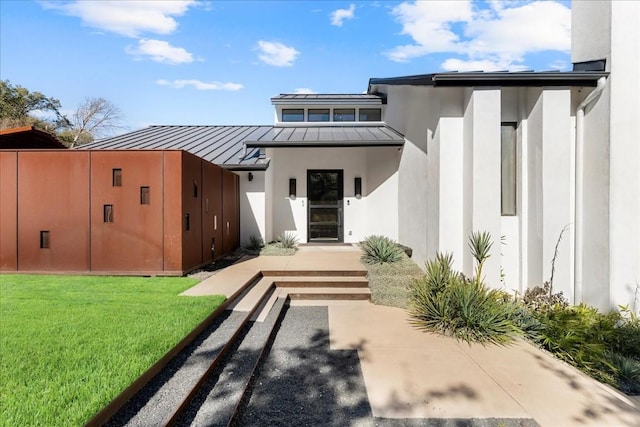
x=380, y=249
x=287, y=240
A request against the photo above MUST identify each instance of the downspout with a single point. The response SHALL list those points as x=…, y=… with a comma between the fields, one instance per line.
x=579, y=196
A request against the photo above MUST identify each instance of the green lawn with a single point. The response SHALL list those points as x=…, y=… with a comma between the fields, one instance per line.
x=70, y=344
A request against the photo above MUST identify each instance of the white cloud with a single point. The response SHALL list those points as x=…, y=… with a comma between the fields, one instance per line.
x=200, y=85
x=304, y=91
x=277, y=54
x=129, y=18
x=160, y=51
x=338, y=16
x=559, y=65
x=497, y=37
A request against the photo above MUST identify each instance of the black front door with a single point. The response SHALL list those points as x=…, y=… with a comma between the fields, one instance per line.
x=324, y=190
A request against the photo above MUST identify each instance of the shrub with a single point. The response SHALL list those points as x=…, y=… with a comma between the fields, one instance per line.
x=254, y=244
x=542, y=299
x=447, y=302
x=578, y=335
x=287, y=240
x=379, y=250
x=627, y=373
x=626, y=336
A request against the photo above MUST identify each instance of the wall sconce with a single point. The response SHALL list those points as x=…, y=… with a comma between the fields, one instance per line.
x=250, y=176
x=357, y=183
x=292, y=188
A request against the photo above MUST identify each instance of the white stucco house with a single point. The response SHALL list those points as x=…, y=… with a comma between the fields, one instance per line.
x=427, y=159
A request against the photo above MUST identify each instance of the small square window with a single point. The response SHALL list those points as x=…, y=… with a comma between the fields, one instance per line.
x=116, y=177
x=145, y=196
x=293, y=115
x=318, y=115
x=344, y=115
x=370, y=115
x=108, y=213
x=187, y=222
x=44, y=240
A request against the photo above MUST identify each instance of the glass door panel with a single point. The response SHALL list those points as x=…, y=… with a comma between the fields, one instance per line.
x=324, y=191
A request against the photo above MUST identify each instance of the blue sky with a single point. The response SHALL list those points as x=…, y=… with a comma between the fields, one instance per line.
x=219, y=62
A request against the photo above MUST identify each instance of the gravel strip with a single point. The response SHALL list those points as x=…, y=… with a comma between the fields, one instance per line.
x=302, y=382
x=156, y=402
x=216, y=401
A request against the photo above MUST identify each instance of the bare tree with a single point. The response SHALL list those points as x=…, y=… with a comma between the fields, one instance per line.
x=95, y=117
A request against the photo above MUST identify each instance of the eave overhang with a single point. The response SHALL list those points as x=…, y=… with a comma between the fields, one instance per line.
x=495, y=79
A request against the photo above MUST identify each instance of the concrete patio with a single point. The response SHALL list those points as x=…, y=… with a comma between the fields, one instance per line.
x=412, y=374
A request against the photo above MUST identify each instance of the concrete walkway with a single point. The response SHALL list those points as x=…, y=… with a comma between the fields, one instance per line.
x=413, y=374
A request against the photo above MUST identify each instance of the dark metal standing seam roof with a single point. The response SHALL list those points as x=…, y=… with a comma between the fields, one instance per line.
x=328, y=136
x=499, y=78
x=221, y=145
x=329, y=98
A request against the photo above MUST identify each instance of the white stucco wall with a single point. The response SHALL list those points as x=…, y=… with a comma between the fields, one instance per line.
x=374, y=213
x=624, y=178
x=252, y=206
x=611, y=273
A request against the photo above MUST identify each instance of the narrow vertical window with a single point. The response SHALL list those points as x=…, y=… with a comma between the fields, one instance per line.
x=108, y=213
x=508, y=165
x=116, y=177
x=187, y=222
x=195, y=188
x=44, y=240
x=145, y=196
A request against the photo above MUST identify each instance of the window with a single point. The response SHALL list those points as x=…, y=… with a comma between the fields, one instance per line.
x=318, y=115
x=145, y=196
x=293, y=115
x=195, y=188
x=116, y=177
x=44, y=240
x=370, y=115
x=187, y=222
x=508, y=163
x=108, y=213
x=344, y=115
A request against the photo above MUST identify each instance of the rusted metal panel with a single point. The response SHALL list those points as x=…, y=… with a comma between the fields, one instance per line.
x=191, y=211
x=129, y=238
x=172, y=161
x=114, y=211
x=9, y=211
x=53, y=196
x=211, y=212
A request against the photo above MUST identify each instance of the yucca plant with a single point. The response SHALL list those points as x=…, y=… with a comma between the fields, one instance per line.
x=447, y=302
x=287, y=240
x=379, y=250
x=627, y=372
x=480, y=245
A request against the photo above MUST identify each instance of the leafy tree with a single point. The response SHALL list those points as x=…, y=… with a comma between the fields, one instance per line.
x=18, y=105
x=94, y=117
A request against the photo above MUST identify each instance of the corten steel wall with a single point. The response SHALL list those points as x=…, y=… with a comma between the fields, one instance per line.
x=230, y=211
x=191, y=210
x=64, y=192
x=9, y=211
x=172, y=162
x=53, y=196
x=133, y=242
x=211, y=211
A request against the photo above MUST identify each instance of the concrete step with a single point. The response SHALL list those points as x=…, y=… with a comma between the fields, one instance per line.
x=321, y=282
x=161, y=401
x=216, y=403
x=326, y=293
x=312, y=272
